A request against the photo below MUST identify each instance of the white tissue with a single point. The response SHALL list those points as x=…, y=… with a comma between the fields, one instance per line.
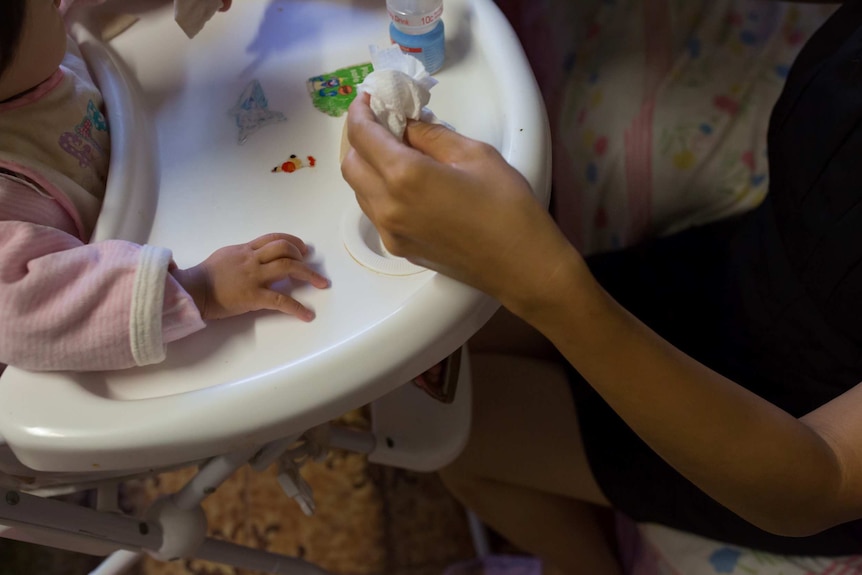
x=191, y=15
x=400, y=89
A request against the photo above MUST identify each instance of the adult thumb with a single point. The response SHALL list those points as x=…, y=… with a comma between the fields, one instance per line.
x=436, y=140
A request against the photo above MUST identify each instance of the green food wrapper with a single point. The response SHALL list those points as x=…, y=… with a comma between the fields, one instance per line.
x=332, y=93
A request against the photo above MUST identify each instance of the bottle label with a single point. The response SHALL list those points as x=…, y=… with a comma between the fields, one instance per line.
x=428, y=48
x=416, y=20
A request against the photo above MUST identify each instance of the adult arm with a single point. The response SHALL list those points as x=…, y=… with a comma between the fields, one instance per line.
x=786, y=475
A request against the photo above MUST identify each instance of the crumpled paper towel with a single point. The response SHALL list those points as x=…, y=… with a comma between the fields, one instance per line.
x=400, y=89
x=191, y=15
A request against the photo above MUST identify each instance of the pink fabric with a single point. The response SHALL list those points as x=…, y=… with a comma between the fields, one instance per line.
x=79, y=230
x=66, y=304
x=658, y=108
x=638, y=138
x=38, y=93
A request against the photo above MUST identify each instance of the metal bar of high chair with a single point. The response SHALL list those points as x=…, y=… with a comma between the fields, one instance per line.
x=479, y=535
x=188, y=499
x=29, y=511
x=108, y=497
x=225, y=553
x=354, y=440
x=117, y=563
x=255, y=560
x=215, y=472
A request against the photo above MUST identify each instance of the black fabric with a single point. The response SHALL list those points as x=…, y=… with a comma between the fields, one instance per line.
x=772, y=299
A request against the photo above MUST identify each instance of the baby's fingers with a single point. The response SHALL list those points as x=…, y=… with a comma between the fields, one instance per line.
x=288, y=268
x=284, y=303
x=278, y=249
x=266, y=239
x=293, y=269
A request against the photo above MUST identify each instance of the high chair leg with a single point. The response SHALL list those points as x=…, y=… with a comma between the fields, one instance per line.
x=175, y=526
x=221, y=552
x=60, y=519
x=117, y=563
x=479, y=535
x=255, y=560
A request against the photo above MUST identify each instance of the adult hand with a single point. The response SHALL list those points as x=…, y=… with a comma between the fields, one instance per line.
x=237, y=279
x=455, y=205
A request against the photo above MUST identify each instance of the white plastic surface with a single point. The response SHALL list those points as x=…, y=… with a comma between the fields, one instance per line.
x=363, y=243
x=248, y=380
x=417, y=432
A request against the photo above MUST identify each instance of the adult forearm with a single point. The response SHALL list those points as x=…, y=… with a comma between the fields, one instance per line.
x=754, y=458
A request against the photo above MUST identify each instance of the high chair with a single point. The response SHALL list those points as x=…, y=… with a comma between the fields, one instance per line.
x=258, y=389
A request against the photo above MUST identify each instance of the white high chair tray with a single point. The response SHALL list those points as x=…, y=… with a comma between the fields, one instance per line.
x=248, y=380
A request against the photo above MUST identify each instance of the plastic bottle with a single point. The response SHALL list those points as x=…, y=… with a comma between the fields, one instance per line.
x=417, y=28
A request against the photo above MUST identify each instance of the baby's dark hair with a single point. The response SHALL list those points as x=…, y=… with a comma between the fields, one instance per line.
x=12, y=13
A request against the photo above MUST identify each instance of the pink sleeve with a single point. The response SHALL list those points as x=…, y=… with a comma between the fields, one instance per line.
x=67, y=305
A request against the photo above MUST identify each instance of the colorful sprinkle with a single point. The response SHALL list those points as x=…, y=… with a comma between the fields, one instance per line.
x=294, y=163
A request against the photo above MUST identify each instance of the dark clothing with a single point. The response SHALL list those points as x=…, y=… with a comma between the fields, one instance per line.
x=771, y=299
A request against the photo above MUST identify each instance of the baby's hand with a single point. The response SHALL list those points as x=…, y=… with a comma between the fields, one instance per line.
x=236, y=279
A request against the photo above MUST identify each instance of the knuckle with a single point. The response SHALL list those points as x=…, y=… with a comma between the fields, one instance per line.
x=481, y=149
x=284, y=246
x=390, y=219
x=401, y=177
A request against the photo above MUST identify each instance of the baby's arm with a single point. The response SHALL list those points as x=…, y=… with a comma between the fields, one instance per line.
x=74, y=306
x=67, y=305
x=237, y=279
